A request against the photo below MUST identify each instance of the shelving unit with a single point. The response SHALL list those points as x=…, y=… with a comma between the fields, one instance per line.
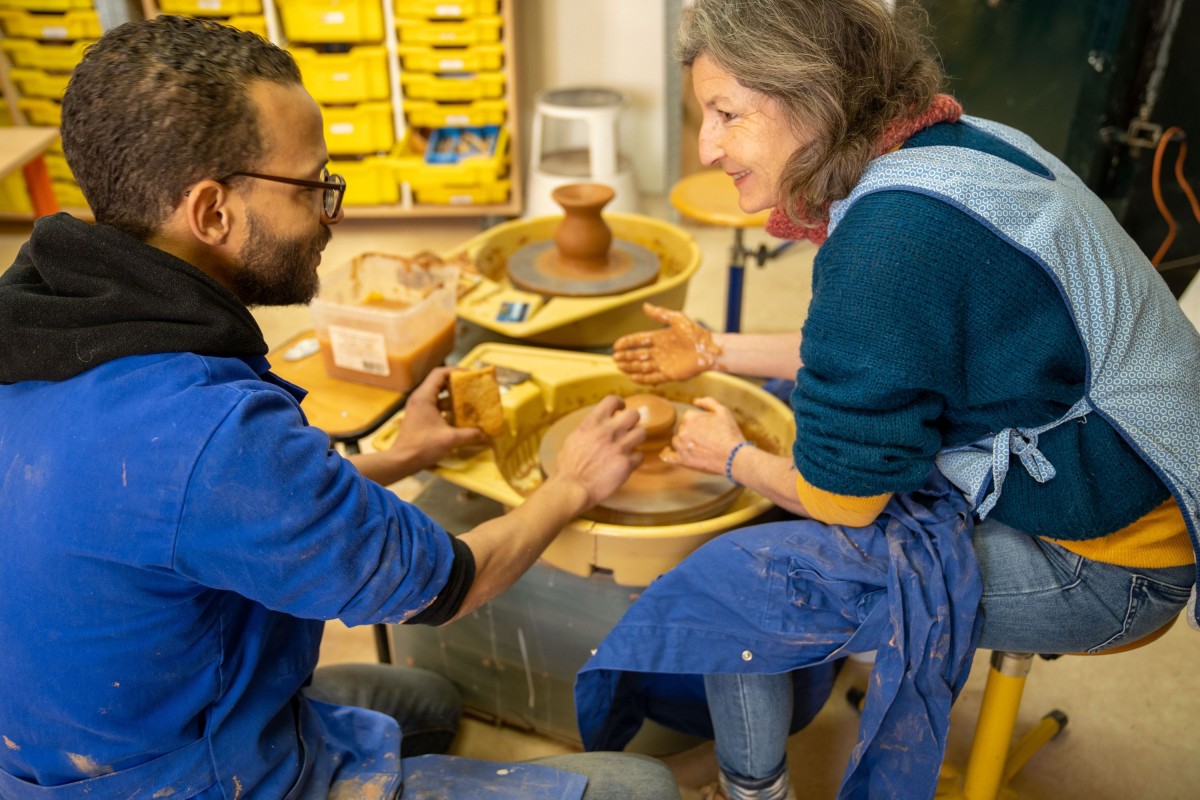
x=391, y=75
x=41, y=41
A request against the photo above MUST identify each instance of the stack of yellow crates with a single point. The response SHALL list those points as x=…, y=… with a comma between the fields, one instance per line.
x=244, y=14
x=14, y=197
x=44, y=40
x=339, y=47
x=454, y=91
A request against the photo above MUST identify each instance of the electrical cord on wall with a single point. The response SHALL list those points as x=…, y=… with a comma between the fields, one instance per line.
x=1172, y=133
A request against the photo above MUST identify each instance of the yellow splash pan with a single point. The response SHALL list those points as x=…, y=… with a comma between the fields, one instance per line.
x=560, y=382
x=575, y=321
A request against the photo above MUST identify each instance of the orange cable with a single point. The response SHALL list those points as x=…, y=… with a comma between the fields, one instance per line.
x=1156, y=188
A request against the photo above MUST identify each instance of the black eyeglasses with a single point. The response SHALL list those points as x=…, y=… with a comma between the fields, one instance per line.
x=331, y=199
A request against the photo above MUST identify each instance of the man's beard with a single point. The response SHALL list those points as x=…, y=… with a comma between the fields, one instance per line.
x=275, y=271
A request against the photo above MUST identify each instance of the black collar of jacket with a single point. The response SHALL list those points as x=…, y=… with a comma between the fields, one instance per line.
x=81, y=295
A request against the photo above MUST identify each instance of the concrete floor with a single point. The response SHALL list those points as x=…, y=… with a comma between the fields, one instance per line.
x=1132, y=716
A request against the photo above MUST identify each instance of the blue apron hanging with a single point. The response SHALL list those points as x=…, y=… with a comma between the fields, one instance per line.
x=795, y=597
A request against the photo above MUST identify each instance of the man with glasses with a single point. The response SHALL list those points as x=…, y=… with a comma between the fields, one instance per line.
x=174, y=532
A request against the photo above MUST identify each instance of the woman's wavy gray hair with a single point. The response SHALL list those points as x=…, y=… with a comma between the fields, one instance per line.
x=840, y=69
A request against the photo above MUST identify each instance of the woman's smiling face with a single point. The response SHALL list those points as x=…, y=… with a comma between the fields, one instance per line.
x=744, y=133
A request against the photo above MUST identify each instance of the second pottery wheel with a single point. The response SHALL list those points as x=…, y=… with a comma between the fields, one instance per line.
x=582, y=260
x=656, y=493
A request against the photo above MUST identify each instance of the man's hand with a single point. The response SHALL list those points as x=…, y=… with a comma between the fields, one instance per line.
x=424, y=433
x=423, y=438
x=600, y=454
x=704, y=440
x=680, y=351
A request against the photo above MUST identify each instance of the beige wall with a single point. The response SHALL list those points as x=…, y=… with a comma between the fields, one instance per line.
x=618, y=44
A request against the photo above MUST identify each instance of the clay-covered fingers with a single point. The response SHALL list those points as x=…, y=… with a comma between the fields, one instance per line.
x=660, y=314
x=704, y=438
x=601, y=453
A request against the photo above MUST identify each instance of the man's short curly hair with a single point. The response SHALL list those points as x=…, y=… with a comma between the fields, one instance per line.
x=159, y=104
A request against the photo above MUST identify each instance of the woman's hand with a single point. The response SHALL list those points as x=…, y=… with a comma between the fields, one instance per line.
x=704, y=440
x=680, y=351
x=599, y=455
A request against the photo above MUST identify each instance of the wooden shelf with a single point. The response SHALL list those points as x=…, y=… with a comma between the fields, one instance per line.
x=511, y=208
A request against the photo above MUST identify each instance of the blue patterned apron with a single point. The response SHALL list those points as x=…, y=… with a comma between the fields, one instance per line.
x=1143, y=355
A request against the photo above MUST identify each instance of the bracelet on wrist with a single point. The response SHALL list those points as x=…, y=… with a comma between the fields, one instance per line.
x=729, y=461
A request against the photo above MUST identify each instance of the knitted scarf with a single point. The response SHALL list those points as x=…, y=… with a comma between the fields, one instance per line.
x=815, y=227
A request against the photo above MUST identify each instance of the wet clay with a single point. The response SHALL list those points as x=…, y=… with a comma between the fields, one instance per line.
x=583, y=238
x=657, y=415
x=582, y=260
x=656, y=493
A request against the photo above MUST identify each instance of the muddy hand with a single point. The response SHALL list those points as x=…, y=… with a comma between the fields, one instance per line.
x=601, y=453
x=704, y=438
x=680, y=351
x=423, y=427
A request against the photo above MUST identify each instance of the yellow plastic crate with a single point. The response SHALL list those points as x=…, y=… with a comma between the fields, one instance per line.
x=453, y=88
x=36, y=83
x=5, y=116
x=440, y=8
x=480, y=30
x=77, y=24
x=353, y=77
x=211, y=8
x=68, y=194
x=41, y=111
x=475, y=58
x=45, y=55
x=430, y=114
x=318, y=21
x=482, y=171
x=56, y=163
x=359, y=130
x=369, y=182
x=14, y=196
x=463, y=195
x=254, y=23
x=47, y=5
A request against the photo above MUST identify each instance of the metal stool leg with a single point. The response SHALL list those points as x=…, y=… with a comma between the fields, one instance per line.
x=733, y=294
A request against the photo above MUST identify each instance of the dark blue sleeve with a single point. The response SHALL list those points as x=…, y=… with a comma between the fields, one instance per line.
x=274, y=514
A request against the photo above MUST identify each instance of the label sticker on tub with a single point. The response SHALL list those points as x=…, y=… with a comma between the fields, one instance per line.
x=334, y=18
x=359, y=350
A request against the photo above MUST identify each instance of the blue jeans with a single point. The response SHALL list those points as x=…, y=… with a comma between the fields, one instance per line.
x=426, y=705
x=428, y=708
x=1037, y=598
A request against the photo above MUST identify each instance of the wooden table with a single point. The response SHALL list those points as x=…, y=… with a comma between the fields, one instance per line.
x=22, y=148
x=345, y=410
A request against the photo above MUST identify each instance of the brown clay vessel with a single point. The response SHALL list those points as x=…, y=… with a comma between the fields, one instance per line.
x=583, y=238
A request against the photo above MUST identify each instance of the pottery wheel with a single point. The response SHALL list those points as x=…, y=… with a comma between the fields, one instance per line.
x=538, y=268
x=656, y=493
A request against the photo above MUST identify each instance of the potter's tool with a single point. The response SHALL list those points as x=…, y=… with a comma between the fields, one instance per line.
x=583, y=259
x=656, y=493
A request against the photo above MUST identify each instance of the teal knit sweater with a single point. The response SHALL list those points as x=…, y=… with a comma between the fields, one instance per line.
x=927, y=330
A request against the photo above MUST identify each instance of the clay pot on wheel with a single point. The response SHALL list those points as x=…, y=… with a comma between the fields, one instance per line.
x=657, y=415
x=583, y=238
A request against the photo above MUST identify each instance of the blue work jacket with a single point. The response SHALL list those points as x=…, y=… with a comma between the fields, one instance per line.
x=174, y=534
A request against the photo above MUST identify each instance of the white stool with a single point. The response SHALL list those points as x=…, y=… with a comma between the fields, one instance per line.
x=600, y=162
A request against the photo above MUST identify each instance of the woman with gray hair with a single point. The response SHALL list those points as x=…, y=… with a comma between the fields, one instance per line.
x=996, y=407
